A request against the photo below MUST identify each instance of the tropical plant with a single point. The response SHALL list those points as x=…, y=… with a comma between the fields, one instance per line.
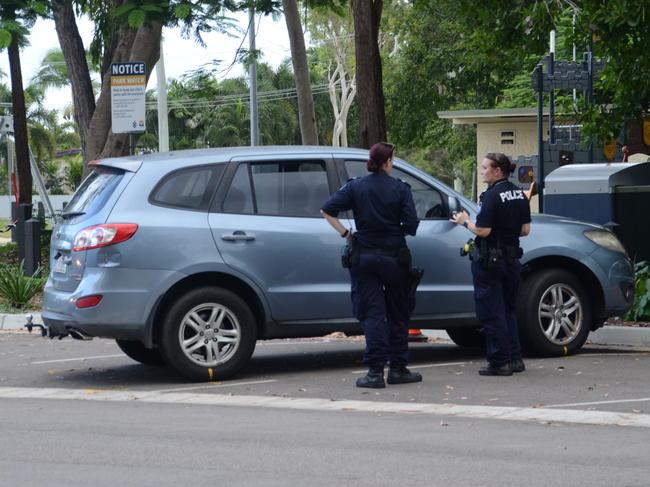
x=641, y=307
x=17, y=288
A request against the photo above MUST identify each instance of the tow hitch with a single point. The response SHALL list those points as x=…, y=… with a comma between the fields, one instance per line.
x=45, y=331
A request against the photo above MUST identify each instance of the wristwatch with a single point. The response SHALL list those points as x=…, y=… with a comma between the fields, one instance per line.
x=346, y=233
x=466, y=224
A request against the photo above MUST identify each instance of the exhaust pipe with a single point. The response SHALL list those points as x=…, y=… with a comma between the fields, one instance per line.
x=78, y=335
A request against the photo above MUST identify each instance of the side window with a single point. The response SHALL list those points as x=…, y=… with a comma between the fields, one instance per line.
x=239, y=198
x=189, y=188
x=428, y=201
x=356, y=169
x=291, y=188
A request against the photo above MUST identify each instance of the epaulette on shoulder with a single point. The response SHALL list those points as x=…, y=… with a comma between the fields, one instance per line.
x=352, y=179
x=402, y=181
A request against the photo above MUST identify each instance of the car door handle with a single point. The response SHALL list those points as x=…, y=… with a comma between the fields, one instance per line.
x=237, y=236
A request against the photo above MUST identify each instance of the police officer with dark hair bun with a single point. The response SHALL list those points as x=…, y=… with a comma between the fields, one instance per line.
x=504, y=216
x=384, y=213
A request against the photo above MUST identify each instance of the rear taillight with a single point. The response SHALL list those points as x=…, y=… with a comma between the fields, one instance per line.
x=89, y=301
x=103, y=235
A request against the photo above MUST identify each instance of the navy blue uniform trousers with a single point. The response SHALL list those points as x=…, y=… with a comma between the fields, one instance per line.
x=495, y=295
x=380, y=303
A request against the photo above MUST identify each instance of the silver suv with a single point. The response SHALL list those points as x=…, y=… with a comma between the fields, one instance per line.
x=187, y=258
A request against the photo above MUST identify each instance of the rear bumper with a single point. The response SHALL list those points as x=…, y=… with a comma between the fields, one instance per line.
x=128, y=296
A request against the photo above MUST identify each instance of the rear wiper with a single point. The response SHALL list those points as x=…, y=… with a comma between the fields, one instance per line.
x=70, y=214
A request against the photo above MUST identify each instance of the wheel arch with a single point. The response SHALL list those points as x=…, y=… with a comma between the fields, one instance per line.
x=587, y=278
x=214, y=279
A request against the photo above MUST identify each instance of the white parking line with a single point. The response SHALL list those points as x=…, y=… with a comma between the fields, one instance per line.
x=600, y=418
x=425, y=366
x=605, y=354
x=76, y=359
x=595, y=403
x=217, y=385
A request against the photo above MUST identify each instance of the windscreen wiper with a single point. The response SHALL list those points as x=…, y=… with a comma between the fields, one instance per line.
x=70, y=214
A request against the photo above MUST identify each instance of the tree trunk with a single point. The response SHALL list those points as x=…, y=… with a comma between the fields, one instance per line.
x=143, y=45
x=306, y=113
x=20, y=125
x=370, y=93
x=75, y=59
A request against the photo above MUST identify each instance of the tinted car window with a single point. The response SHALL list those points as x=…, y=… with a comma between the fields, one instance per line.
x=428, y=201
x=187, y=188
x=94, y=192
x=239, y=198
x=292, y=188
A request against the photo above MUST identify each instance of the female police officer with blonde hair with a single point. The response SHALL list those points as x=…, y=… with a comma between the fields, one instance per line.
x=384, y=213
x=503, y=217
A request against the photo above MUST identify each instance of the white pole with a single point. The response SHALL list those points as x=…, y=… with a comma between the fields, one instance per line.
x=574, y=52
x=553, y=41
x=163, y=124
x=255, y=136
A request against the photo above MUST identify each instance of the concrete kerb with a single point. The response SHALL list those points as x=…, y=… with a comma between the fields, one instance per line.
x=9, y=321
x=627, y=336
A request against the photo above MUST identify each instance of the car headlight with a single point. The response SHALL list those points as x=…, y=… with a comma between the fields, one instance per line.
x=606, y=239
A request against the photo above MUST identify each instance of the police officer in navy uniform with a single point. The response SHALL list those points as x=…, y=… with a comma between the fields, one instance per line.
x=504, y=216
x=384, y=213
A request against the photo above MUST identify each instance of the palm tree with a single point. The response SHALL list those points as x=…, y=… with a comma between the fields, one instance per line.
x=16, y=18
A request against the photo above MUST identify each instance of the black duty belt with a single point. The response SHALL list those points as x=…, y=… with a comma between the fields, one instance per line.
x=386, y=252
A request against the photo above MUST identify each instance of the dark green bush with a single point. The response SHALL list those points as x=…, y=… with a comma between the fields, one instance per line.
x=641, y=307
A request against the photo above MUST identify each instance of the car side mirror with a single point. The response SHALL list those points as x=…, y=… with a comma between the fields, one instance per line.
x=454, y=205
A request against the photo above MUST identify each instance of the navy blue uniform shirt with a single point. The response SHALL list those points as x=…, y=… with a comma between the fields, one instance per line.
x=504, y=208
x=383, y=209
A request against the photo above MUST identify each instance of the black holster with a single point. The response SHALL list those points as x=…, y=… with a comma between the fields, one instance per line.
x=350, y=253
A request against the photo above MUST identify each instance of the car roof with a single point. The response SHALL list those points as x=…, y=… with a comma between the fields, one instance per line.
x=223, y=154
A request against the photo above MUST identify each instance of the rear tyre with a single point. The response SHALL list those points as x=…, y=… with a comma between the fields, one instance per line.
x=467, y=337
x=208, y=334
x=138, y=352
x=553, y=313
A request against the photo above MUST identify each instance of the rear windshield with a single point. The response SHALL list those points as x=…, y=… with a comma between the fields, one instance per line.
x=94, y=192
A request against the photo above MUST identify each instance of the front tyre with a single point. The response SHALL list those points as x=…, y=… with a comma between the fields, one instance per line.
x=553, y=313
x=209, y=334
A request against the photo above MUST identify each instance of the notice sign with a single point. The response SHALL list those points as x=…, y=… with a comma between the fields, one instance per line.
x=128, y=83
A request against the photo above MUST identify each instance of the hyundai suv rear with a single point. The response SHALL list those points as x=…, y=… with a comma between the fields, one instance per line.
x=187, y=258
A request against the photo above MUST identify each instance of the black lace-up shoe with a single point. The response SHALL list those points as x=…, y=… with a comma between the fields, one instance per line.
x=517, y=365
x=402, y=375
x=490, y=369
x=374, y=379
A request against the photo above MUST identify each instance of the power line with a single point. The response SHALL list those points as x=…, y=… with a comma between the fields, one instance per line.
x=229, y=100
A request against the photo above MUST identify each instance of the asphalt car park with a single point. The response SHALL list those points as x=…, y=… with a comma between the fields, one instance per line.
x=598, y=379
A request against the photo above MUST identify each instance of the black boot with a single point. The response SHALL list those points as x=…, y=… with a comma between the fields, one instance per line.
x=373, y=380
x=517, y=365
x=490, y=369
x=402, y=375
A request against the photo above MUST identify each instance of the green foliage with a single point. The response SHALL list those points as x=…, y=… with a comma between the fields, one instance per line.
x=452, y=156
x=17, y=288
x=619, y=29
x=74, y=172
x=5, y=38
x=52, y=176
x=641, y=307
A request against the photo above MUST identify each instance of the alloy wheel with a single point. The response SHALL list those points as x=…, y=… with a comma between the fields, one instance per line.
x=209, y=334
x=560, y=314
